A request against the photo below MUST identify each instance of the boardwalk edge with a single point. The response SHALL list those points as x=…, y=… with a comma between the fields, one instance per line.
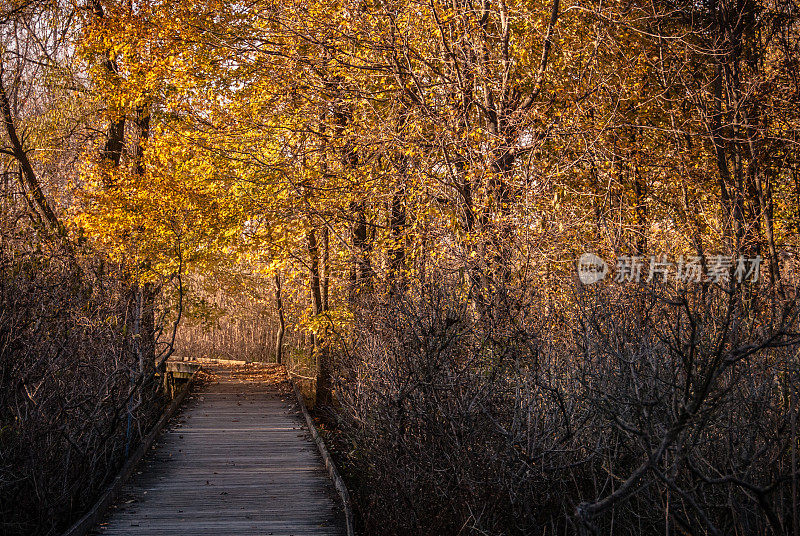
x=338, y=482
x=95, y=514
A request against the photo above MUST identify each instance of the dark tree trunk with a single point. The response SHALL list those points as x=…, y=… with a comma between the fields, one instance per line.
x=324, y=372
x=397, y=252
x=147, y=291
x=361, y=271
x=281, y=320
x=326, y=267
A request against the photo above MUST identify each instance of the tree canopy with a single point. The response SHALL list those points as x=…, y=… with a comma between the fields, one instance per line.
x=359, y=154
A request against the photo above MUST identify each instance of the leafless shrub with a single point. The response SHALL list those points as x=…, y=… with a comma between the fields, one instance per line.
x=73, y=399
x=632, y=410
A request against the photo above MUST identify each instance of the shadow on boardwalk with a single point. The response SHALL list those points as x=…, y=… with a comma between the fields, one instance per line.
x=237, y=460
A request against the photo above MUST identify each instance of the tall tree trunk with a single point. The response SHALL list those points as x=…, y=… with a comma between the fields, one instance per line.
x=115, y=142
x=731, y=229
x=321, y=351
x=640, y=195
x=361, y=271
x=281, y=320
x=326, y=267
x=115, y=136
x=143, y=127
x=147, y=291
x=397, y=252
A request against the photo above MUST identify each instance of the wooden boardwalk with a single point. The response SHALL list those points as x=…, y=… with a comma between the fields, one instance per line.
x=237, y=461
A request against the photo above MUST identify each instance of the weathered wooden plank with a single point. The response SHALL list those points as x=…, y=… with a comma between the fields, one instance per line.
x=85, y=523
x=238, y=461
x=338, y=482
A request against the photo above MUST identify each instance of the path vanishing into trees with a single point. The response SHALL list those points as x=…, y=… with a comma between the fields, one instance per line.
x=238, y=460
